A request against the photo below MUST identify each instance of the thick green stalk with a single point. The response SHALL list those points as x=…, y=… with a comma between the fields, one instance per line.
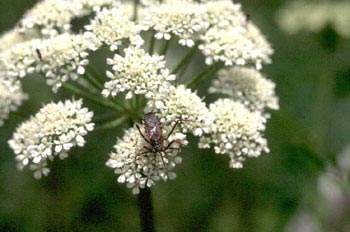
x=146, y=210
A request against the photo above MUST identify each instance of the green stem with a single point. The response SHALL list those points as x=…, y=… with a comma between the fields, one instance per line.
x=95, y=99
x=186, y=59
x=323, y=110
x=151, y=44
x=112, y=124
x=85, y=85
x=146, y=210
x=165, y=48
x=136, y=4
x=93, y=81
x=95, y=73
x=206, y=73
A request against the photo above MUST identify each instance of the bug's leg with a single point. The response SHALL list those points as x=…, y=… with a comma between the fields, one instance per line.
x=172, y=129
x=144, y=150
x=172, y=142
x=143, y=136
x=162, y=157
x=176, y=124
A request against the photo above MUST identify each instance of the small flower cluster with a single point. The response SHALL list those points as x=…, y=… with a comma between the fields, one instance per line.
x=10, y=99
x=180, y=103
x=139, y=168
x=236, y=46
x=65, y=60
x=231, y=37
x=314, y=16
x=20, y=60
x=109, y=27
x=235, y=131
x=137, y=73
x=53, y=131
x=52, y=17
x=182, y=18
x=248, y=86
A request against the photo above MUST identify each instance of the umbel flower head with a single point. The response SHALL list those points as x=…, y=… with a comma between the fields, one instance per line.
x=246, y=85
x=181, y=103
x=121, y=57
x=110, y=27
x=137, y=73
x=52, y=17
x=235, y=131
x=53, y=131
x=66, y=60
x=140, y=168
x=181, y=18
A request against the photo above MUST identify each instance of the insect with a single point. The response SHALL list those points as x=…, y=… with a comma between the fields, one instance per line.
x=39, y=54
x=155, y=138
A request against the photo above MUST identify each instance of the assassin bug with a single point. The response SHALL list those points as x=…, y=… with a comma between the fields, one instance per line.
x=155, y=138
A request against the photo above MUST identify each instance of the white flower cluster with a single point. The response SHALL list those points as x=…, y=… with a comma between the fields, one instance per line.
x=10, y=99
x=139, y=168
x=53, y=131
x=180, y=103
x=239, y=45
x=248, y=86
x=137, y=72
x=65, y=60
x=59, y=58
x=19, y=61
x=232, y=38
x=236, y=131
x=314, y=16
x=182, y=18
x=224, y=13
x=109, y=27
x=53, y=17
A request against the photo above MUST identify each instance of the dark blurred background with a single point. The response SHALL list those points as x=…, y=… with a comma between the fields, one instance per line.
x=278, y=191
